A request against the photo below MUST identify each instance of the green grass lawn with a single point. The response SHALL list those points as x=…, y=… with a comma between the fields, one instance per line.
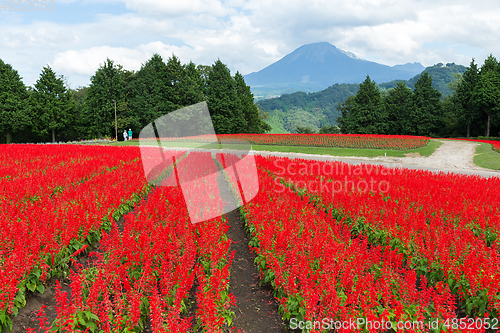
x=486, y=157
x=424, y=151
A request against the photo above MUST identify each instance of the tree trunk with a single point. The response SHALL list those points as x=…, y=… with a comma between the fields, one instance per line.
x=7, y=137
x=53, y=135
x=468, y=130
x=488, y=126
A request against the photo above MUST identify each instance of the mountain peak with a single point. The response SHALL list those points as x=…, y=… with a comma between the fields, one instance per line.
x=319, y=51
x=323, y=64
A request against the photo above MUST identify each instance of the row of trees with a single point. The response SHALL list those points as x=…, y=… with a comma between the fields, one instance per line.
x=51, y=111
x=474, y=106
x=477, y=96
x=401, y=111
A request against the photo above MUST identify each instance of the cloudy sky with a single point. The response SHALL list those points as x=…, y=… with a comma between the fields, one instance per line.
x=74, y=37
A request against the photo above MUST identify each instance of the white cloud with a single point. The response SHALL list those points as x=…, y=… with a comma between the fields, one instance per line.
x=87, y=61
x=177, y=8
x=249, y=35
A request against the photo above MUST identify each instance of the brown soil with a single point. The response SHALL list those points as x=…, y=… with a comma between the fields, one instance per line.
x=412, y=155
x=256, y=309
x=27, y=316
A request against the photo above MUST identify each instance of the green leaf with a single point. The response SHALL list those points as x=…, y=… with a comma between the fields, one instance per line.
x=37, y=273
x=40, y=288
x=31, y=286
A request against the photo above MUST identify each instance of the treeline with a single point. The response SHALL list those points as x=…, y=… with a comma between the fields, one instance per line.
x=472, y=109
x=50, y=111
x=319, y=109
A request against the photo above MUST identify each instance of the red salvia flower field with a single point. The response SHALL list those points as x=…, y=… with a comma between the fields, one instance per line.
x=347, y=246
x=372, y=141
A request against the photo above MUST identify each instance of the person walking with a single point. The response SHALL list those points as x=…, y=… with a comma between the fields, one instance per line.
x=130, y=134
x=125, y=135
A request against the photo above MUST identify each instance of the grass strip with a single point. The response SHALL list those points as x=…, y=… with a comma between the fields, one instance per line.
x=427, y=150
x=486, y=157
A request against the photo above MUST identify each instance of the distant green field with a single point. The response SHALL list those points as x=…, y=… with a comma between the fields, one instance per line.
x=424, y=151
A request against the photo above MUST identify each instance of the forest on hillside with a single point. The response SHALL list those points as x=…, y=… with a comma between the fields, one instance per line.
x=320, y=109
x=473, y=108
x=442, y=76
x=50, y=111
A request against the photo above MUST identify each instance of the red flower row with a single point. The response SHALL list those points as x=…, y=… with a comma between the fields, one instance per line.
x=445, y=225
x=149, y=267
x=38, y=236
x=374, y=141
x=319, y=271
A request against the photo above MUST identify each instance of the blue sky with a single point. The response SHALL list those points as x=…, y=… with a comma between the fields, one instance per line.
x=247, y=35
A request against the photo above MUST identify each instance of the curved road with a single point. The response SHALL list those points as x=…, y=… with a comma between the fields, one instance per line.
x=453, y=156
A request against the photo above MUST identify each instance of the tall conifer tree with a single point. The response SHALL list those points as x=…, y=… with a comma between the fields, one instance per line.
x=427, y=117
x=13, y=95
x=50, y=104
x=223, y=103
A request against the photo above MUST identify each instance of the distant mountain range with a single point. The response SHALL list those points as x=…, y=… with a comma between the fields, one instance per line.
x=320, y=108
x=314, y=67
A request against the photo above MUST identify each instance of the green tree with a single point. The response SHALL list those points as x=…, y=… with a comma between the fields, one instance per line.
x=174, y=76
x=367, y=115
x=255, y=123
x=329, y=130
x=223, y=103
x=304, y=130
x=487, y=92
x=13, y=96
x=346, y=121
x=79, y=98
x=399, y=105
x=50, y=103
x=150, y=93
x=204, y=71
x=466, y=105
x=427, y=117
x=451, y=111
x=106, y=85
x=189, y=90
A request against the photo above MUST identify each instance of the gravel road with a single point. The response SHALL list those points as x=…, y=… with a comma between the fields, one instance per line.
x=455, y=156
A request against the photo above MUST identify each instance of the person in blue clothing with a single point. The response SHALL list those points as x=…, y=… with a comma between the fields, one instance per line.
x=125, y=135
x=130, y=134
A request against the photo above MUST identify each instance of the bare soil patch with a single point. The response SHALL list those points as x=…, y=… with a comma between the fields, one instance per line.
x=412, y=155
x=452, y=154
x=256, y=308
